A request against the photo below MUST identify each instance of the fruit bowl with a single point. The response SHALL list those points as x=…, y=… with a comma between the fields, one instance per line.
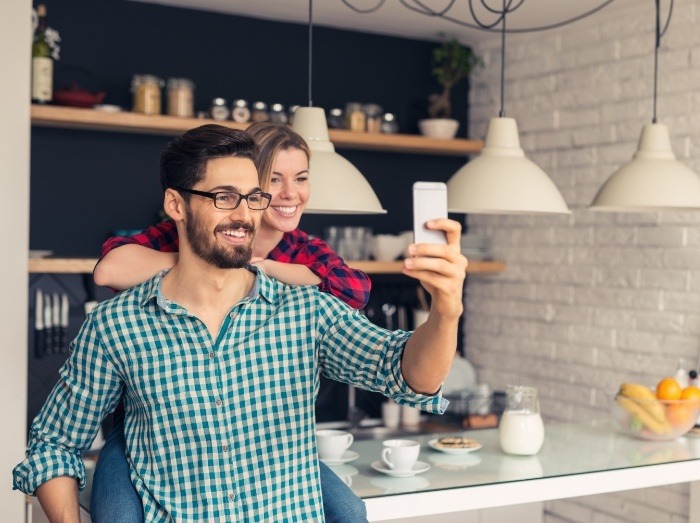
x=654, y=419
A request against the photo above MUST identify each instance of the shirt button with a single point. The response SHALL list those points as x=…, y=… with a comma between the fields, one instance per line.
x=233, y=315
x=212, y=355
x=218, y=403
x=231, y=496
x=225, y=448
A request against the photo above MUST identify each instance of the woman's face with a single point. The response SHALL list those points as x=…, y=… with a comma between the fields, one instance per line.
x=289, y=187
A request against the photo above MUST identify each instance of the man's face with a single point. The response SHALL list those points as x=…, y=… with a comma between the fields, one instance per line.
x=220, y=237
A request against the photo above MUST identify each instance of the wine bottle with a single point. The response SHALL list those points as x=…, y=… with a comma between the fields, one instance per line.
x=42, y=62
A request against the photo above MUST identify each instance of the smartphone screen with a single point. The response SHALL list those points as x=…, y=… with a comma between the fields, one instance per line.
x=429, y=203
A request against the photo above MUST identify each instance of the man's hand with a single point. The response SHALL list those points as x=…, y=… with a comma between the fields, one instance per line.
x=441, y=269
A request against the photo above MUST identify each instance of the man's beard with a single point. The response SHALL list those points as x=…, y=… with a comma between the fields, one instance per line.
x=235, y=257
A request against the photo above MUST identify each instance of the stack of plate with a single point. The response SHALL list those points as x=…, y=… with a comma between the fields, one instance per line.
x=475, y=247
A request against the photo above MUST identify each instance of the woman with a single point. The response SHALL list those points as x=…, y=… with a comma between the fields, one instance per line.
x=282, y=251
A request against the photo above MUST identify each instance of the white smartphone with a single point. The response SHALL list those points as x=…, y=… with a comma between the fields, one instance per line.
x=429, y=203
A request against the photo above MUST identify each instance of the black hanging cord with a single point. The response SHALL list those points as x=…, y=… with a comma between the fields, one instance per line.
x=657, y=43
x=502, y=113
x=418, y=7
x=311, y=39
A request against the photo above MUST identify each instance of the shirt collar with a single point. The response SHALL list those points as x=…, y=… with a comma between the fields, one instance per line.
x=262, y=287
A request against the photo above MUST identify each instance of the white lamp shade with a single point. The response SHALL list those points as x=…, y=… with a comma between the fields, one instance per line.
x=337, y=187
x=501, y=180
x=653, y=181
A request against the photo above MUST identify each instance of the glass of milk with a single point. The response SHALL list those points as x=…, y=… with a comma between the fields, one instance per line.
x=521, y=431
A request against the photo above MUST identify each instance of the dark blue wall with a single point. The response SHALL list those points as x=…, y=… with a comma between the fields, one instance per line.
x=85, y=185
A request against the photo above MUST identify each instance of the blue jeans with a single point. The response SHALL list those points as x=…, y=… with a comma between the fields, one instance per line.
x=114, y=497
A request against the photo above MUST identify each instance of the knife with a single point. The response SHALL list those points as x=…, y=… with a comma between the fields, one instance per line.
x=39, y=332
x=48, y=325
x=56, y=322
x=64, y=323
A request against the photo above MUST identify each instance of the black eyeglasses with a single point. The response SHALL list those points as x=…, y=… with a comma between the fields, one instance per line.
x=229, y=200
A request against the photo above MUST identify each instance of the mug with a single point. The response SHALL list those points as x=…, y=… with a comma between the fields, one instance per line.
x=391, y=414
x=400, y=454
x=333, y=443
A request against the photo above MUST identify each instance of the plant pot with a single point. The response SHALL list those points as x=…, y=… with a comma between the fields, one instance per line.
x=442, y=128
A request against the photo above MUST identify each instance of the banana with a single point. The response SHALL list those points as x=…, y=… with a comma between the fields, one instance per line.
x=643, y=415
x=647, y=400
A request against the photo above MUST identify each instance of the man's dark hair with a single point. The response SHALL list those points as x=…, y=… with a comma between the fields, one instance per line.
x=183, y=163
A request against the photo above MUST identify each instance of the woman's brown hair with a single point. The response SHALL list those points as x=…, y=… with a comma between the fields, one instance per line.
x=272, y=138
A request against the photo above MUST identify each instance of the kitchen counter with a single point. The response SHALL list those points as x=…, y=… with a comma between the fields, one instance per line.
x=577, y=459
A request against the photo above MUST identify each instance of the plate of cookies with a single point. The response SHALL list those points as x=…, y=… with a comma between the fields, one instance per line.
x=454, y=444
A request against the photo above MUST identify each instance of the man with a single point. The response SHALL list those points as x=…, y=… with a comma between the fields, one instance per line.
x=219, y=363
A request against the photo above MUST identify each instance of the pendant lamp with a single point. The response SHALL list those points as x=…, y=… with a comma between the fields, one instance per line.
x=654, y=180
x=501, y=180
x=337, y=186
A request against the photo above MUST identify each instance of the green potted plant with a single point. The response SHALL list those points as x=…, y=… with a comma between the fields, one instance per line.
x=452, y=63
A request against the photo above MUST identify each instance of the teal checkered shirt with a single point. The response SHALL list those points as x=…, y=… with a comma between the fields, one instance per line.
x=216, y=430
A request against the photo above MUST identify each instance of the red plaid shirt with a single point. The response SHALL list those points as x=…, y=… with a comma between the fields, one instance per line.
x=350, y=285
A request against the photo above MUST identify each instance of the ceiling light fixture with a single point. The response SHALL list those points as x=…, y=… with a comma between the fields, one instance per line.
x=654, y=180
x=337, y=186
x=501, y=180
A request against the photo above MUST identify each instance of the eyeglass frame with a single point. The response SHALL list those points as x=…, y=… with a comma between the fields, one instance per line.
x=214, y=195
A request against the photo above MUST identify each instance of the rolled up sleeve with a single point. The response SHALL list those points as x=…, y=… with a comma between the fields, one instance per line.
x=353, y=350
x=88, y=388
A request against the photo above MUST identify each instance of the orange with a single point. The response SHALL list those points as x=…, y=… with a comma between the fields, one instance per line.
x=691, y=392
x=679, y=415
x=668, y=389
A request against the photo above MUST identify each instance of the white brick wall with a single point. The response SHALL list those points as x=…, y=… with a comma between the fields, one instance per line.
x=591, y=300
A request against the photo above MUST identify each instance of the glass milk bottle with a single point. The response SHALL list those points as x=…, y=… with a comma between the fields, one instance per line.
x=521, y=430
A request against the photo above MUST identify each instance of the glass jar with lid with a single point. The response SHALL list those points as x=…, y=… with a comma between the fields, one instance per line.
x=373, y=113
x=278, y=114
x=146, y=90
x=355, y=117
x=239, y=111
x=180, y=97
x=336, y=119
x=259, y=113
x=389, y=124
x=218, y=110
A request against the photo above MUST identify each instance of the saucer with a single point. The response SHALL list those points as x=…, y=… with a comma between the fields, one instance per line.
x=447, y=450
x=418, y=468
x=347, y=457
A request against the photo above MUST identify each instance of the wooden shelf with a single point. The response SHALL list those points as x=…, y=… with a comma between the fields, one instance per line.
x=86, y=265
x=90, y=119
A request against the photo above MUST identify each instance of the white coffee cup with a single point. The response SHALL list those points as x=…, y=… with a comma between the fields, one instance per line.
x=391, y=414
x=400, y=454
x=333, y=443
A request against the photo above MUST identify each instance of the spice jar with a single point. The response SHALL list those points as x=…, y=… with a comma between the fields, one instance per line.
x=218, y=109
x=146, y=90
x=260, y=112
x=336, y=120
x=239, y=111
x=180, y=97
x=355, y=117
x=373, y=112
x=278, y=114
x=389, y=124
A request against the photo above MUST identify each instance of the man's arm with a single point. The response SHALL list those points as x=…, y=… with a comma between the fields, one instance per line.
x=59, y=499
x=441, y=269
x=130, y=265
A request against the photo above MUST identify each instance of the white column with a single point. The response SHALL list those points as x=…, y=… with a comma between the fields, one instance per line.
x=15, y=57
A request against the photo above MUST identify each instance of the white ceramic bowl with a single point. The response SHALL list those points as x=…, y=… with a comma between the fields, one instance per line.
x=387, y=247
x=443, y=128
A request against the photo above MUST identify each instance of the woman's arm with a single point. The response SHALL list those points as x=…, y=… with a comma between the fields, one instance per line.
x=140, y=257
x=130, y=265
x=334, y=276
x=290, y=273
